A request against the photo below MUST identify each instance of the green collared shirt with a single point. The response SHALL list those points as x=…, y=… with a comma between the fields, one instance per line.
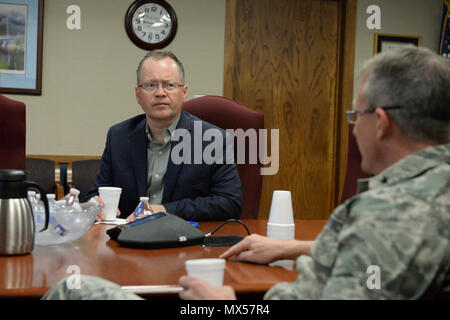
x=390, y=241
x=157, y=159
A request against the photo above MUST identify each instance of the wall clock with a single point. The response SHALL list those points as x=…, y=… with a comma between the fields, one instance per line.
x=151, y=24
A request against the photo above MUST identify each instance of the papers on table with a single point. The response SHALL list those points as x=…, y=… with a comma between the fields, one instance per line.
x=153, y=289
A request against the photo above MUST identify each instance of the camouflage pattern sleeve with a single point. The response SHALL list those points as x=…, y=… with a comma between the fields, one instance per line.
x=395, y=240
x=374, y=262
x=90, y=288
x=308, y=285
x=313, y=272
x=391, y=241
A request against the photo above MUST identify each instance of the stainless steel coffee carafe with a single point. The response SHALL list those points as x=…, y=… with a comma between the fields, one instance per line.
x=17, y=226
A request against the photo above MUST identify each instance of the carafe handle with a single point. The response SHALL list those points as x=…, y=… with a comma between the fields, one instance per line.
x=44, y=198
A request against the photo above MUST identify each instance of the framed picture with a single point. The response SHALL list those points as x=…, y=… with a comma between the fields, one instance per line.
x=385, y=42
x=21, y=46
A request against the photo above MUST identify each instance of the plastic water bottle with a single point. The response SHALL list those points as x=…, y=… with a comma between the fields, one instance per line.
x=70, y=201
x=32, y=199
x=39, y=207
x=143, y=209
x=34, y=206
x=51, y=202
x=72, y=197
x=31, y=195
x=51, y=207
x=38, y=210
x=90, y=205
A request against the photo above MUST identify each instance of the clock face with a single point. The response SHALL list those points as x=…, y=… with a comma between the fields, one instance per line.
x=151, y=24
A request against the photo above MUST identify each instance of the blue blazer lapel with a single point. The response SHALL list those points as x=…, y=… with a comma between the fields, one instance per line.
x=173, y=169
x=138, y=146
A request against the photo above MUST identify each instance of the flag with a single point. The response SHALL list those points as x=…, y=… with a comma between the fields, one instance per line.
x=444, y=44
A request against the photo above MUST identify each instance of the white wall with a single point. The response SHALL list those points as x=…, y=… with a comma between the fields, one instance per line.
x=398, y=17
x=88, y=75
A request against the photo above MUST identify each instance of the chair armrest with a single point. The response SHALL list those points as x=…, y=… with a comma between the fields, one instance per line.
x=59, y=189
x=69, y=181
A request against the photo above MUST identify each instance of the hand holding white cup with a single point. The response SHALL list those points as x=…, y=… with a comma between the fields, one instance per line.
x=110, y=197
x=209, y=270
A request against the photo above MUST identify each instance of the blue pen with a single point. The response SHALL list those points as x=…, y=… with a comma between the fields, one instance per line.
x=195, y=224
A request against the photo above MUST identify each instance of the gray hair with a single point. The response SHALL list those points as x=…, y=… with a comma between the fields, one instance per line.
x=418, y=80
x=159, y=55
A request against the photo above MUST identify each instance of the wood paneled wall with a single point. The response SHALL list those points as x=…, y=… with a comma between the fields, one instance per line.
x=293, y=60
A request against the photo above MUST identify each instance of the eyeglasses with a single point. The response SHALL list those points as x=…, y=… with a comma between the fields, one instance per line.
x=352, y=115
x=153, y=86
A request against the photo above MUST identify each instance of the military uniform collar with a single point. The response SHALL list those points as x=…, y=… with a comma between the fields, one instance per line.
x=408, y=167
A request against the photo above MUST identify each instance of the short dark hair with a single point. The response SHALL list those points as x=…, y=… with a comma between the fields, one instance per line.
x=159, y=55
x=418, y=80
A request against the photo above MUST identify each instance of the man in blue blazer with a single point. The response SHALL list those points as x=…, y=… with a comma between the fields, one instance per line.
x=138, y=154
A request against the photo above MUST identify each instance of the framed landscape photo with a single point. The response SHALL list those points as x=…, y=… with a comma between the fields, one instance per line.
x=21, y=46
x=385, y=42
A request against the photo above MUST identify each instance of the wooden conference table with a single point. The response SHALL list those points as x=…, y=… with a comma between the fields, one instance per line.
x=30, y=276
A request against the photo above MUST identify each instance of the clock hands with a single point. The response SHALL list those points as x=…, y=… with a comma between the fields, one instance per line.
x=154, y=22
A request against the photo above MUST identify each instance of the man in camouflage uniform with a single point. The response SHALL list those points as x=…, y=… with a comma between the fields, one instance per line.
x=391, y=240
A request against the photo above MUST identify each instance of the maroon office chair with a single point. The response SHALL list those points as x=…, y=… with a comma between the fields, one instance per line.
x=353, y=171
x=12, y=134
x=229, y=114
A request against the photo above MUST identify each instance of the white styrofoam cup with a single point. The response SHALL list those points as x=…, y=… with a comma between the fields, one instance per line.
x=281, y=211
x=110, y=197
x=210, y=270
x=281, y=231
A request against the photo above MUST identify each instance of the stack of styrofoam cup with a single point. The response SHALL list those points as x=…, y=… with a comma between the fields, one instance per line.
x=210, y=270
x=281, y=218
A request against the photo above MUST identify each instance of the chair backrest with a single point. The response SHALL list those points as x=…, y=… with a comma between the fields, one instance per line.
x=353, y=171
x=42, y=171
x=229, y=114
x=12, y=134
x=81, y=174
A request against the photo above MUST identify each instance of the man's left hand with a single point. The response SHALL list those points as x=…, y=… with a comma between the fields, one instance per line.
x=157, y=208
x=196, y=289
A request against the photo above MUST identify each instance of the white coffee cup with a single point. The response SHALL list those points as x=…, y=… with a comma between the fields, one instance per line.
x=210, y=270
x=281, y=211
x=110, y=197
